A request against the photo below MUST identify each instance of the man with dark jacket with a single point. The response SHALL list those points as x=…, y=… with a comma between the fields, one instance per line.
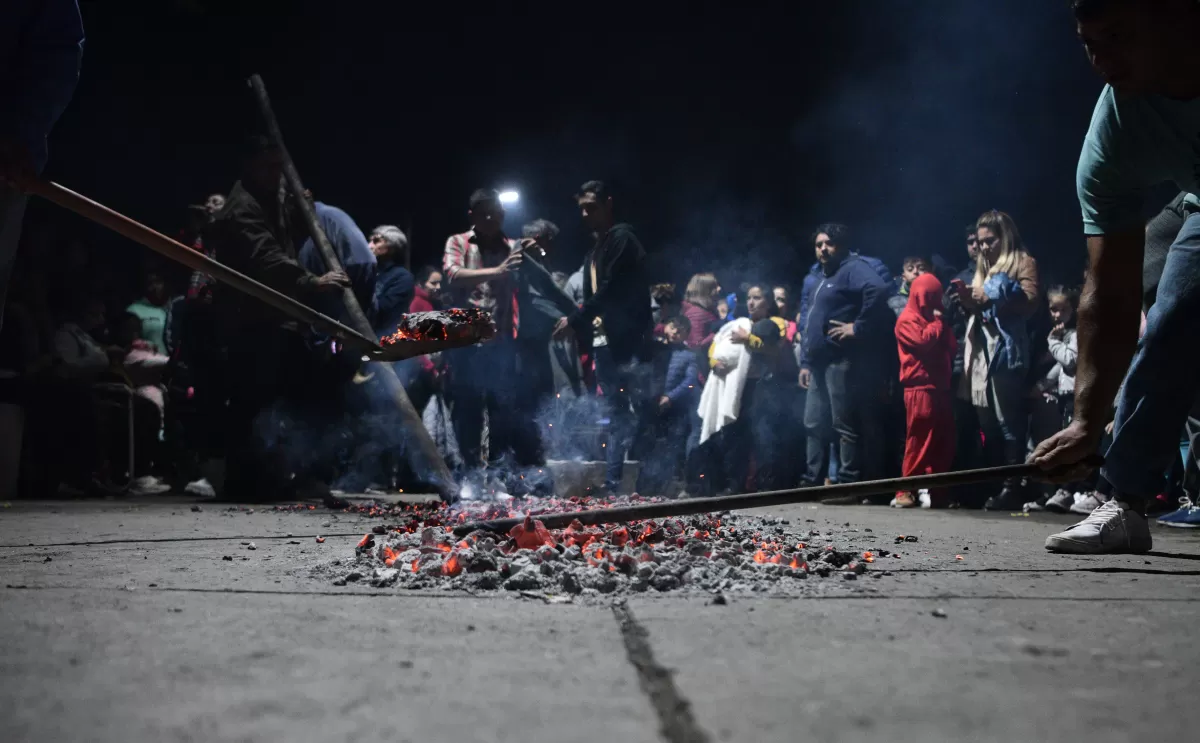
x=269, y=360
x=616, y=313
x=843, y=332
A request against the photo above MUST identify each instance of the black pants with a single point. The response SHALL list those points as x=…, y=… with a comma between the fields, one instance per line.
x=285, y=414
x=495, y=377
x=757, y=435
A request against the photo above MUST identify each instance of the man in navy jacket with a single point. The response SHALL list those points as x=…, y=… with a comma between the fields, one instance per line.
x=846, y=319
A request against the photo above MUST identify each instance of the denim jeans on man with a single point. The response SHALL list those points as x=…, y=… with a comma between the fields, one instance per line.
x=1165, y=376
x=831, y=409
x=625, y=387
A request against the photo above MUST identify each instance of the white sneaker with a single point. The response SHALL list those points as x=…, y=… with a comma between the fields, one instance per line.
x=1060, y=502
x=1110, y=529
x=149, y=485
x=1032, y=506
x=201, y=487
x=1085, y=503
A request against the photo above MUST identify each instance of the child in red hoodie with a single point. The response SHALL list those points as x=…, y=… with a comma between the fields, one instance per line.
x=927, y=347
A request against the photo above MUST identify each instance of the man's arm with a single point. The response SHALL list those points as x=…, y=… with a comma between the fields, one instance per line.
x=874, y=300
x=621, y=255
x=258, y=254
x=1107, y=332
x=454, y=265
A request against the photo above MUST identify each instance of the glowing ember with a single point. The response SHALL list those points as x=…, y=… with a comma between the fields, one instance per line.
x=732, y=552
x=469, y=325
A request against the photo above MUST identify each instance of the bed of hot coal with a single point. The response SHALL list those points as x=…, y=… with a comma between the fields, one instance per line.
x=722, y=552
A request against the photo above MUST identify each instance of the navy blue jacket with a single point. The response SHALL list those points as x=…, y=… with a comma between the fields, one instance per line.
x=394, y=291
x=854, y=293
x=813, y=279
x=41, y=43
x=682, y=378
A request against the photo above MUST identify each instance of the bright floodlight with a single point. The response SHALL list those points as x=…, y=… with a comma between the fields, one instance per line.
x=509, y=197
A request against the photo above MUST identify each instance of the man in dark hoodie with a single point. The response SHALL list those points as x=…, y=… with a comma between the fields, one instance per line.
x=616, y=313
x=840, y=342
x=269, y=358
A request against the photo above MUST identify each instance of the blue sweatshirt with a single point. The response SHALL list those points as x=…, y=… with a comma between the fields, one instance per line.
x=854, y=293
x=352, y=250
x=41, y=43
x=813, y=279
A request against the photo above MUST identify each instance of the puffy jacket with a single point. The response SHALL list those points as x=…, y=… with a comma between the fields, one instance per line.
x=924, y=340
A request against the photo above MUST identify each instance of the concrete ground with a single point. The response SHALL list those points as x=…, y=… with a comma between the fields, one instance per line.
x=123, y=622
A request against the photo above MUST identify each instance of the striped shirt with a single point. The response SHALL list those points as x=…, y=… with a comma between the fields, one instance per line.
x=464, y=251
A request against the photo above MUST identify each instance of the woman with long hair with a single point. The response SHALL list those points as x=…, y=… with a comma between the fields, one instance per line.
x=1002, y=298
x=757, y=433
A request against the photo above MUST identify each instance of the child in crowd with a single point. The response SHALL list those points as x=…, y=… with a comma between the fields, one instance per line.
x=926, y=345
x=913, y=267
x=1055, y=403
x=723, y=309
x=677, y=383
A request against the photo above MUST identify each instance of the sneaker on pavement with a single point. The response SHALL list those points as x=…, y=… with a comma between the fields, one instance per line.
x=1113, y=528
x=1187, y=517
x=1085, y=503
x=201, y=487
x=1060, y=502
x=1008, y=499
x=149, y=485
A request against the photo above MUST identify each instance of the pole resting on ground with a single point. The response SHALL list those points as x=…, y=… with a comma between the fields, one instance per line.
x=423, y=454
x=693, y=506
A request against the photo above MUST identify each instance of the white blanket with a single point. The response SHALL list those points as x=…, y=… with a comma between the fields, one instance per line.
x=722, y=397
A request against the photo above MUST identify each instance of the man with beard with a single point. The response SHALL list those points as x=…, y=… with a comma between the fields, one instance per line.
x=840, y=345
x=616, y=313
x=1143, y=133
x=271, y=367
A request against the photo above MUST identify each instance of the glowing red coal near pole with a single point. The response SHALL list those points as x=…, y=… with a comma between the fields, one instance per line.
x=531, y=534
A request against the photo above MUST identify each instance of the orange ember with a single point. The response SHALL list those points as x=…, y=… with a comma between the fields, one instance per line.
x=531, y=534
x=452, y=566
x=868, y=557
x=365, y=540
x=415, y=565
x=760, y=557
x=794, y=564
x=389, y=556
x=619, y=537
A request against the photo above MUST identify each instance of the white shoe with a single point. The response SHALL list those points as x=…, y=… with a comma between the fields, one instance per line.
x=1032, y=506
x=1085, y=503
x=1060, y=502
x=201, y=487
x=149, y=485
x=1110, y=529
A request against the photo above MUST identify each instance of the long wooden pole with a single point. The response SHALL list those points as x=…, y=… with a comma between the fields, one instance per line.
x=692, y=506
x=197, y=261
x=423, y=455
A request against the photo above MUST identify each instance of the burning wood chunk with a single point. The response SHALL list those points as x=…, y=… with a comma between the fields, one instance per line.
x=453, y=327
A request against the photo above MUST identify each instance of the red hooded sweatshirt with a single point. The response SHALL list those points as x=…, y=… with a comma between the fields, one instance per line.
x=926, y=343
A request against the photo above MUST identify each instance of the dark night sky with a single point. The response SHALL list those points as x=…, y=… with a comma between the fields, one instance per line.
x=730, y=132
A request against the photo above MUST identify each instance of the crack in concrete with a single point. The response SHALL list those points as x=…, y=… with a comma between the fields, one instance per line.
x=676, y=723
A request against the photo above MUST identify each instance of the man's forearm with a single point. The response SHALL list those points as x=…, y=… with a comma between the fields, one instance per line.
x=473, y=276
x=1109, y=316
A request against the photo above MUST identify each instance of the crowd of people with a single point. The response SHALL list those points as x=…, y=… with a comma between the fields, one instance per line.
x=709, y=391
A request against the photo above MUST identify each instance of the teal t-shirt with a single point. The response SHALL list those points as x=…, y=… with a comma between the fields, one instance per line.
x=1135, y=142
x=154, y=323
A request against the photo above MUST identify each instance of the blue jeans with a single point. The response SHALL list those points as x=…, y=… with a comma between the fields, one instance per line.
x=1165, y=376
x=625, y=388
x=832, y=412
